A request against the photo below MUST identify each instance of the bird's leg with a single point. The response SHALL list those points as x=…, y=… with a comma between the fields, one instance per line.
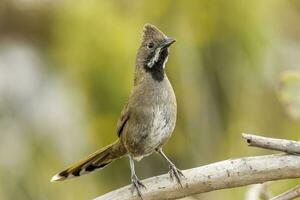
x=136, y=183
x=174, y=171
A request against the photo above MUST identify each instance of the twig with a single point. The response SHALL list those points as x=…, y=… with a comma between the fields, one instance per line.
x=220, y=175
x=289, y=195
x=288, y=146
x=258, y=191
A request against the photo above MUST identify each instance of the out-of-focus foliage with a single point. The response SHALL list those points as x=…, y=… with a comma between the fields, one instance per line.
x=66, y=69
x=290, y=93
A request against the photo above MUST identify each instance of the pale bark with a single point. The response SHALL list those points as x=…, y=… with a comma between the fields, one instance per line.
x=288, y=146
x=220, y=175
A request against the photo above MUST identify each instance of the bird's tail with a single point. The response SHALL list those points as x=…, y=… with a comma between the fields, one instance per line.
x=97, y=160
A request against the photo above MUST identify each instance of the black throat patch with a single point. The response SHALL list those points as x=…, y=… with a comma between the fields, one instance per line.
x=157, y=70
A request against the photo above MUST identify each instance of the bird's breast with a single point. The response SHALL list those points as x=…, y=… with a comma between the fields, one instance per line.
x=162, y=125
x=152, y=120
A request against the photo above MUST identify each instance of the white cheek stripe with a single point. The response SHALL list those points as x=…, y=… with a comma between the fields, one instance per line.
x=166, y=60
x=155, y=58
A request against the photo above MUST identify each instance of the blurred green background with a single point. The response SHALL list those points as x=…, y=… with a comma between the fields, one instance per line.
x=66, y=69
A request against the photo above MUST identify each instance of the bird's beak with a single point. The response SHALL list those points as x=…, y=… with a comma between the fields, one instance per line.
x=168, y=41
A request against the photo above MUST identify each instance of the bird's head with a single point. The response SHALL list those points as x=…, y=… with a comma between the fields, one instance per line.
x=154, y=50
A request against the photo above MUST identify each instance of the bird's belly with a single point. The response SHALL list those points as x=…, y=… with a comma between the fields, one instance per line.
x=155, y=133
x=159, y=132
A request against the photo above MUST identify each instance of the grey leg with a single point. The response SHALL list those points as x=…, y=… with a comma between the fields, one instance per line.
x=136, y=183
x=174, y=172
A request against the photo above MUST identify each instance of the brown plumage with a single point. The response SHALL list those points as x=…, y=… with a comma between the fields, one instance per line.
x=148, y=118
x=97, y=160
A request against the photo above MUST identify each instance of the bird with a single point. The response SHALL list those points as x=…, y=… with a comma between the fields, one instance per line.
x=148, y=118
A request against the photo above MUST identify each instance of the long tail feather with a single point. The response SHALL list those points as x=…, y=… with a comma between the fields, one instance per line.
x=97, y=160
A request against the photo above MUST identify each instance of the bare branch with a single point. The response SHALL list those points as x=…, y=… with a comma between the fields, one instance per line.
x=288, y=146
x=289, y=195
x=220, y=175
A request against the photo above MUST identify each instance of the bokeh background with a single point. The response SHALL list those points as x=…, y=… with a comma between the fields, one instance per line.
x=66, y=69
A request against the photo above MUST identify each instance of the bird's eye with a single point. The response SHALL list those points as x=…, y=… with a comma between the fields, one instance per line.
x=150, y=45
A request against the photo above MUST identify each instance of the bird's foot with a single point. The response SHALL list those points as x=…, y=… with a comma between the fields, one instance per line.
x=137, y=185
x=175, y=173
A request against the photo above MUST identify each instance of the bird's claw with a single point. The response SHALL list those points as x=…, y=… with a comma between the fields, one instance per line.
x=137, y=185
x=174, y=172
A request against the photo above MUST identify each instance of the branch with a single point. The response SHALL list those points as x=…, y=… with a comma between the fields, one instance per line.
x=289, y=195
x=220, y=175
x=288, y=146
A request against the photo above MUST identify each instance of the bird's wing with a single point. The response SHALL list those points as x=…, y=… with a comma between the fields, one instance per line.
x=122, y=120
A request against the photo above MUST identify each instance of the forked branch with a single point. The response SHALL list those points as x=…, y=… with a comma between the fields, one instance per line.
x=219, y=175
